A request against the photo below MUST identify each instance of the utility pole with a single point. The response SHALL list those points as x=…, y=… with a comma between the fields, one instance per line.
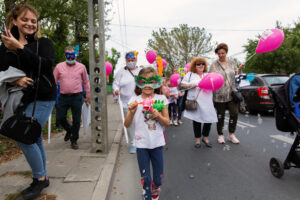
x=99, y=127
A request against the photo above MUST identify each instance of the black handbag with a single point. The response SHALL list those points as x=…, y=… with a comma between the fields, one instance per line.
x=237, y=96
x=24, y=129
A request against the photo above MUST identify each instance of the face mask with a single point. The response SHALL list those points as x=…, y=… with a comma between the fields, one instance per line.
x=131, y=65
x=70, y=62
x=153, y=82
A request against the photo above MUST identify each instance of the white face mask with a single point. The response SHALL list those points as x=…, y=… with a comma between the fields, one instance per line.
x=70, y=62
x=131, y=65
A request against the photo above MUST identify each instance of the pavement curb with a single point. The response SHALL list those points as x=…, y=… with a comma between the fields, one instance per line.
x=102, y=187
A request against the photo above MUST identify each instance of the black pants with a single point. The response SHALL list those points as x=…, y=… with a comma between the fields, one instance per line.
x=172, y=111
x=233, y=113
x=75, y=103
x=198, y=131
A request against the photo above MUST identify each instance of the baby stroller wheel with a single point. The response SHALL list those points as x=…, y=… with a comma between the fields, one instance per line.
x=276, y=167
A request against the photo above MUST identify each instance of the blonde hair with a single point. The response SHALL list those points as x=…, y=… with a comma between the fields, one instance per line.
x=18, y=10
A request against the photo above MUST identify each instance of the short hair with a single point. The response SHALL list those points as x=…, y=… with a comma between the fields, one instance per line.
x=198, y=60
x=69, y=48
x=19, y=9
x=221, y=46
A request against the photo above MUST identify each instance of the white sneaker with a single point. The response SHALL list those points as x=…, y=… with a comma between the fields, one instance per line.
x=233, y=139
x=221, y=139
x=180, y=122
x=171, y=122
x=175, y=123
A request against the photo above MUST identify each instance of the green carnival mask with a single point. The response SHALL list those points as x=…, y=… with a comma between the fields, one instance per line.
x=142, y=81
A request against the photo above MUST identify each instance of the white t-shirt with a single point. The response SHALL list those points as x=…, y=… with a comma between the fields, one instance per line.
x=125, y=82
x=147, y=133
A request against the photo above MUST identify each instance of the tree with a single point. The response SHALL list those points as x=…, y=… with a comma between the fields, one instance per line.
x=113, y=59
x=181, y=44
x=285, y=59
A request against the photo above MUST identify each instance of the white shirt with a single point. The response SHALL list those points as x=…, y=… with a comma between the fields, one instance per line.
x=148, y=133
x=205, y=112
x=125, y=82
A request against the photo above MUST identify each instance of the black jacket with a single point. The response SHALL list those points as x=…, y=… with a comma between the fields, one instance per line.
x=27, y=60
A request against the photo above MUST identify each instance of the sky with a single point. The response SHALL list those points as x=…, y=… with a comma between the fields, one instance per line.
x=230, y=21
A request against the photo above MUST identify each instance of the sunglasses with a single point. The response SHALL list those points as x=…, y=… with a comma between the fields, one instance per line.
x=70, y=55
x=199, y=64
x=130, y=56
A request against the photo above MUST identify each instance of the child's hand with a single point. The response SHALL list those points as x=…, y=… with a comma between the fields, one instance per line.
x=155, y=114
x=132, y=107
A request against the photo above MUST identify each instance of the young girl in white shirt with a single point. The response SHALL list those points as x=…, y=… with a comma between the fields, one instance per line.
x=147, y=111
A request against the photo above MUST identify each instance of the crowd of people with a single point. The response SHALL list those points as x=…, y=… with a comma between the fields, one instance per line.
x=27, y=57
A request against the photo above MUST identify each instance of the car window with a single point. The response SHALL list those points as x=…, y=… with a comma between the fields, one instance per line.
x=275, y=79
x=255, y=82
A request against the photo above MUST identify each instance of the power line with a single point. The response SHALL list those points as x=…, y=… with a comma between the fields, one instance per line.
x=124, y=15
x=152, y=27
x=120, y=26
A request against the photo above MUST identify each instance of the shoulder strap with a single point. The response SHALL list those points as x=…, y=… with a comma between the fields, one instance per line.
x=224, y=73
x=126, y=68
x=37, y=80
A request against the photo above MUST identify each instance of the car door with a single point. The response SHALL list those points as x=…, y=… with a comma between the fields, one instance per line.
x=252, y=98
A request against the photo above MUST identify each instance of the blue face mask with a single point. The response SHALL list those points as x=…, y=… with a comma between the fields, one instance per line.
x=70, y=62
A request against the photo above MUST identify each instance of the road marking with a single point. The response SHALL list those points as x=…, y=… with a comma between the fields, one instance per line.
x=241, y=124
x=283, y=138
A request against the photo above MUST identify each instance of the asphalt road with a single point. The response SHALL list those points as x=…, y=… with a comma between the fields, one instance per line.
x=227, y=172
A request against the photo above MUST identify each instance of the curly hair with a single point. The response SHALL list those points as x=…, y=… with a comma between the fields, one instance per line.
x=198, y=60
x=147, y=70
x=221, y=46
x=18, y=10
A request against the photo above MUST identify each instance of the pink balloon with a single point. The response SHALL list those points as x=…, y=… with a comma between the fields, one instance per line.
x=270, y=41
x=108, y=67
x=151, y=56
x=175, y=80
x=164, y=62
x=186, y=68
x=212, y=81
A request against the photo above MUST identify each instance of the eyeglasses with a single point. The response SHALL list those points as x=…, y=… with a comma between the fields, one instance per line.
x=130, y=55
x=199, y=64
x=70, y=55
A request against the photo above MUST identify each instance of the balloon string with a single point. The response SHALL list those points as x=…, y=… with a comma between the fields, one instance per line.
x=250, y=57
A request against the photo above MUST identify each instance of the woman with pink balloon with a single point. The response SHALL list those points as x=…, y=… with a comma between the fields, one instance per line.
x=205, y=113
x=124, y=85
x=222, y=97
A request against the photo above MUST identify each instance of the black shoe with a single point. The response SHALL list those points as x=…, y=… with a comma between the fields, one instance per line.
x=67, y=136
x=207, y=144
x=197, y=146
x=35, y=188
x=74, y=145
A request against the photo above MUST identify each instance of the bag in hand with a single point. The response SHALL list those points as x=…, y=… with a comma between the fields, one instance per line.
x=190, y=104
x=21, y=129
x=237, y=96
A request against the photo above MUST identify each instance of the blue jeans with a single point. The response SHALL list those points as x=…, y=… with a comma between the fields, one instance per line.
x=172, y=111
x=35, y=153
x=179, y=104
x=144, y=156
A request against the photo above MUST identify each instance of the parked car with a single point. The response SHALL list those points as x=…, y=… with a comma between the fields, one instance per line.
x=257, y=97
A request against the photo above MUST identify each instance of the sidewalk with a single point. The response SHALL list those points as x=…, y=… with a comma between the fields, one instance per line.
x=74, y=174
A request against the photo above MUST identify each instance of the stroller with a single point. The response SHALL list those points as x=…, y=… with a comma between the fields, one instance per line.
x=287, y=115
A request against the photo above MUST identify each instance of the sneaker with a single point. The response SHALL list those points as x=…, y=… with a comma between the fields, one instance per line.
x=233, y=139
x=74, y=145
x=221, y=139
x=175, y=123
x=155, y=192
x=180, y=122
x=67, y=136
x=132, y=149
x=35, y=188
x=171, y=122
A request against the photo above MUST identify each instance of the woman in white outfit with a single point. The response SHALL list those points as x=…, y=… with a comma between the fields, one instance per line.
x=205, y=113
